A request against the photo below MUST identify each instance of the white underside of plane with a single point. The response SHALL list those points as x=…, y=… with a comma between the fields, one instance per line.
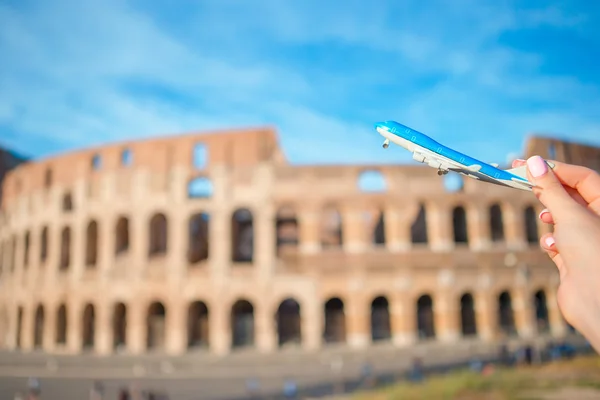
x=443, y=164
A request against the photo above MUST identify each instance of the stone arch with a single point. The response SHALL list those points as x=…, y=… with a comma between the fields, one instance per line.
x=459, y=225
x=158, y=235
x=380, y=319
x=335, y=321
x=331, y=228
x=531, y=226
x=48, y=178
x=200, y=188
x=199, y=156
x=38, y=329
x=96, y=162
x=198, y=238
x=425, y=317
x=371, y=180
x=242, y=241
x=289, y=322
x=26, y=249
x=242, y=324
x=65, y=248
x=506, y=319
x=198, y=325
x=119, y=325
x=418, y=229
x=61, y=325
x=44, y=245
x=156, y=326
x=375, y=220
x=19, y=330
x=496, y=223
x=541, y=311
x=286, y=225
x=91, y=244
x=467, y=315
x=122, y=235
x=67, y=202
x=126, y=157
x=89, y=326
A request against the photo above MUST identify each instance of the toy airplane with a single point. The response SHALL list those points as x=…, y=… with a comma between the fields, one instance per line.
x=444, y=159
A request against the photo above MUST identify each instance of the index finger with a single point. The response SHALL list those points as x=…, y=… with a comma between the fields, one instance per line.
x=584, y=180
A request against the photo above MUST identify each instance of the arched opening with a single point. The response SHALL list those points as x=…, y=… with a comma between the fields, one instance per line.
x=467, y=315
x=19, y=331
x=331, y=228
x=459, y=223
x=541, y=312
x=65, y=248
x=199, y=156
x=44, y=245
x=289, y=323
x=155, y=326
x=200, y=188
x=531, y=227
x=418, y=229
x=126, y=157
x=453, y=183
x=67, y=202
x=122, y=236
x=286, y=225
x=89, y=327
x=242, y=324
x=91, y=246
x=496, y=223
x=379, y=229
x=198, y=327
x=371, y=181
x=38, y=335
x=380, y=319
x=61, y=325
x=198, y=232
x=425, y=321
x=26, y=245
x=158, y=235
x=119, y=324
x=242, y=229
x=48, y=178
x=96, y=162
x=505, y=314
x=335, y=321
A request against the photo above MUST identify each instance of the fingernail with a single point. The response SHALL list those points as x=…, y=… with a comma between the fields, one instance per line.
x=549, y=241
x=544, y=211
x=519, y=160
x=537, y=166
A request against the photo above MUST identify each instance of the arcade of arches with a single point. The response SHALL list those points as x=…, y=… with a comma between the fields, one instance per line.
x=197, y=326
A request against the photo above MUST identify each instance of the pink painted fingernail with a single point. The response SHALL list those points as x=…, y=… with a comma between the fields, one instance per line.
x=537, y=166
x=549, y=241
x=544, y=211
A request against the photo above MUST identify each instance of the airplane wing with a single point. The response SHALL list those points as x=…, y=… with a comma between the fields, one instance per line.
x=522, y=170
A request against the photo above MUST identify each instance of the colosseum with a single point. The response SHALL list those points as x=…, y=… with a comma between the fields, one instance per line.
x=214, y=241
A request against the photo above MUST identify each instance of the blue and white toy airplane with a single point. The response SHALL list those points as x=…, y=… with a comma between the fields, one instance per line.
x=444, y=159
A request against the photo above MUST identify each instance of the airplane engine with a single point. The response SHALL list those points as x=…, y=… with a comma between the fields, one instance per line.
x=418, y=157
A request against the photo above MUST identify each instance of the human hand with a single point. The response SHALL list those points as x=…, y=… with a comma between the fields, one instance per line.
x=571, y=195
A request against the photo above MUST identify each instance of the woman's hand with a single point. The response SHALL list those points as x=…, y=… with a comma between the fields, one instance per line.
x=571, y=195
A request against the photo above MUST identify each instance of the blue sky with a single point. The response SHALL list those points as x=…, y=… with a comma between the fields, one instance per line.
x=476, y=75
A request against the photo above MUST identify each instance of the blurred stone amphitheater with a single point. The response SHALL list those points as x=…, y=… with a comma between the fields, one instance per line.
x=214, y=242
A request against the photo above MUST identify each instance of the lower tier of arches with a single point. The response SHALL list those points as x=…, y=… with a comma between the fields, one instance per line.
x=105, y=327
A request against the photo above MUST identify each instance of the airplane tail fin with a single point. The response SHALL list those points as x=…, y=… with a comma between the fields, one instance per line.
x=522, y=170
x=519, y=171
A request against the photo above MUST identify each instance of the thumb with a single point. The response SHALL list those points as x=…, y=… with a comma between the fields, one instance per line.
x=548, y=189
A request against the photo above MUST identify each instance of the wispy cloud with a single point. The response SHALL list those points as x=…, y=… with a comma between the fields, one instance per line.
x=80, y=73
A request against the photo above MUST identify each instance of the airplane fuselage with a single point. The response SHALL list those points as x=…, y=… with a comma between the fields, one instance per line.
x=436, y=155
